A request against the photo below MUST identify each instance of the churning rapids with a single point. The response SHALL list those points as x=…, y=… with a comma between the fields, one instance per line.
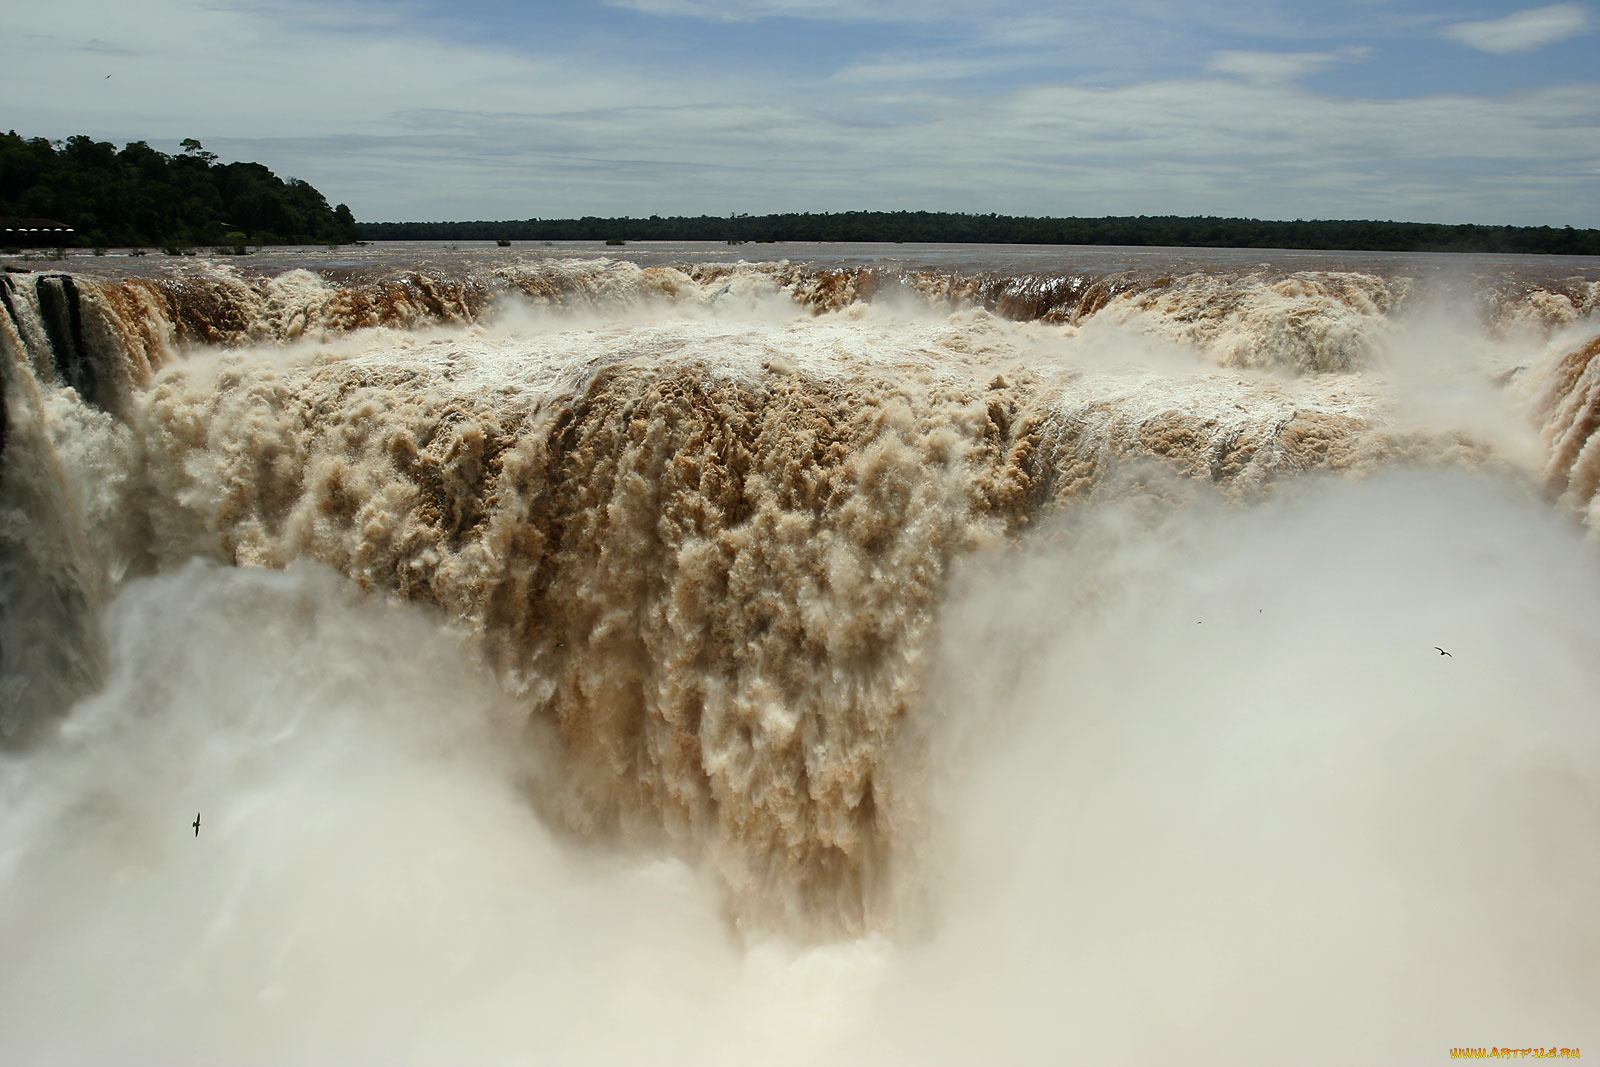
x=1010, y=657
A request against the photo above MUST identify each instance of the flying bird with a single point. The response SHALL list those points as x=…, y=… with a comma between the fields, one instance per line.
x=1442, y=652
x=197, y=824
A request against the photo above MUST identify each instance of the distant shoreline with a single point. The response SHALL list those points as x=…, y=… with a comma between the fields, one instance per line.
x=921, y=227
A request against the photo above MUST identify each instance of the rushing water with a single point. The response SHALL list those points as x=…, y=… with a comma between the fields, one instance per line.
x=908, y=654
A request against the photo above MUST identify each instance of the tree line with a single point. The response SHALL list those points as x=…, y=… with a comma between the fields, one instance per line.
x=139, y=196
x=952, y=228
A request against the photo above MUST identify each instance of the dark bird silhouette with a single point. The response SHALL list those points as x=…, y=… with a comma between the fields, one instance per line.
x=197, y=824
x=1442, y=652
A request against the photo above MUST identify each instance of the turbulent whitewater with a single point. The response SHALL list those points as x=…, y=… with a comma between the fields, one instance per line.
x=871, y=606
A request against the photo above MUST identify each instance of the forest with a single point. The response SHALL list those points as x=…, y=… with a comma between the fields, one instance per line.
x=139, y=196
x=946, y=227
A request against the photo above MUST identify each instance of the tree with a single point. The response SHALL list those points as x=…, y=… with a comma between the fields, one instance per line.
x=194, y=148
x=344, y=225
x=140, y=196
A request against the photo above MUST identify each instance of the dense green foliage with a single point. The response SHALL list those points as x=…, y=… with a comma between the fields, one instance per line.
x=139, y=196
x=926, y=226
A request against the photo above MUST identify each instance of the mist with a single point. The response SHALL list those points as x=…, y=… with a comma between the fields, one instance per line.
x=1198, y=788
x=1233, y=806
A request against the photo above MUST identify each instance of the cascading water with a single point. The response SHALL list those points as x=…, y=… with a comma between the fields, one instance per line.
x=763, y=572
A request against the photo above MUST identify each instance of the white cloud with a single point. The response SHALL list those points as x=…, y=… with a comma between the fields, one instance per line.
x=1523, y=31
x=193, y=68
x=1016, y=24
x=915, y=69
x=403, y=122
x=745, y=10
x=1279, y=66
x=1197, y=146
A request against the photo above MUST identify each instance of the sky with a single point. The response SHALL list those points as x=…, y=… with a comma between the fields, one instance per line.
x=1419, y=110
